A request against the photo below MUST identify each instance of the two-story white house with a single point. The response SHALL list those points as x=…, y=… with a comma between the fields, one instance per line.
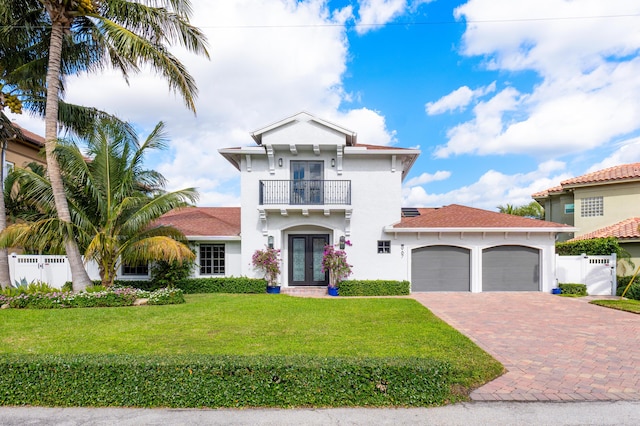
x=306, y=183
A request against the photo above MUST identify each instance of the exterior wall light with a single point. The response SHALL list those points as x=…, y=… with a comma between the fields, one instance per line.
x=270, y=241
x=342, y=242
x=279, y=162
x=333, y=162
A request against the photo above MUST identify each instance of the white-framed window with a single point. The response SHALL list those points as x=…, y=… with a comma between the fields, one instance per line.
x=591, y=206
x=384, y=246
x=569, y=208
x=8, y=167
x=135, y=270
x=212, y=259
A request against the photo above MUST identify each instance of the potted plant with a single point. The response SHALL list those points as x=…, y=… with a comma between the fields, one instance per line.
x=268, y=261
x=335, y=262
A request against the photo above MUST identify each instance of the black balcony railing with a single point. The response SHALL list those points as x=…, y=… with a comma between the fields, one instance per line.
x=305, y=192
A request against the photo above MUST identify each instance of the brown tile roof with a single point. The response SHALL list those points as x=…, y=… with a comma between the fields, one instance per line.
x=612, y=174
x=30, y=136
x=204, y=221
x=619, y=173
x=627, y=229
x=457, y=216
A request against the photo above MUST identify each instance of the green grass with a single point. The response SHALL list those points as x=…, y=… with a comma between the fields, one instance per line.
x=251, y=325
x=622, y=305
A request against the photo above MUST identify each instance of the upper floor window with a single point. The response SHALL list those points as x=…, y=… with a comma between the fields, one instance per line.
x=8, y=168
x=211, y=259
x=591, y=206
x=569, y=208
x=135, y=270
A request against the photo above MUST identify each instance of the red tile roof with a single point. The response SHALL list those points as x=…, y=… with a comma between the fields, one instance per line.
x=627, y=229
x=204, y=221
x=621, y=173
x=30, y=136
x=457, y=216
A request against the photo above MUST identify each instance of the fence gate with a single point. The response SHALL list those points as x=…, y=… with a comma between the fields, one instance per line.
x=54, y=270
x=597, y=272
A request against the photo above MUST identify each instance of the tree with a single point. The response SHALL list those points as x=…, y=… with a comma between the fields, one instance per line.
x=113, y=203
x=100, y=33
x=532, y=210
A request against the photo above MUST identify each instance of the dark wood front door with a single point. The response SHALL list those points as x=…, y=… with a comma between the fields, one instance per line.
x=305, y=259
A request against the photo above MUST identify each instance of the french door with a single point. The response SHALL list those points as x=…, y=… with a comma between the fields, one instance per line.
x=307, y=184
x=305, y=259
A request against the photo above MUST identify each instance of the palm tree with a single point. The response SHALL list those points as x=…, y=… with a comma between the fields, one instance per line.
x=113, y=203
x=121, y=33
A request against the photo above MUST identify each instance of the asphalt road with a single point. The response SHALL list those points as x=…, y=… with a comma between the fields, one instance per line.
x=473, y=413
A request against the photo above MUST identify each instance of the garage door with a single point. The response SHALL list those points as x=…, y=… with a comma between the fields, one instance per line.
x=510, y=268
x=440, y=268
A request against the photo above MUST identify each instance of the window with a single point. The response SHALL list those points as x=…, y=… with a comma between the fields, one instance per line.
x=384, y=246
x=211, y=259
x=135, y=270
x=591, y=206
x=8, y=168
x=569, y=208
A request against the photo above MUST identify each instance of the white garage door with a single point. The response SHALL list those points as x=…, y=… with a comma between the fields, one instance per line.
x=511, y=268
x=440, y=268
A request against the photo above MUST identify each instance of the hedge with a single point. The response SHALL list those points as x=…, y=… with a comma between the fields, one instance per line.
x=592, y=247
x=201, y=285
x=223, y=381
x=374, y=288
x=576, y=289
x=634, y=290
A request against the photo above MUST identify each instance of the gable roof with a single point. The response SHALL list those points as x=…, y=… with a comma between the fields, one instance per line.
x=350, y=136
x=627, y=229
x=204, y=221
x=615, y=174
x=455, y=217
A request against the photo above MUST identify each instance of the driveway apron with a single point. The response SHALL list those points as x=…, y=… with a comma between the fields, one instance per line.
x=554, y=348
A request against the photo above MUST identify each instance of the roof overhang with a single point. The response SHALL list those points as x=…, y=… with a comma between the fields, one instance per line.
x=198, y=238
x=541, y=230
x=350, y=136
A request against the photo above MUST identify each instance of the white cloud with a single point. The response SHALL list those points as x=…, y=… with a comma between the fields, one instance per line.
x=458, y=99
x=627, y=152
x=492, y=189
x=374, y=13
x=269, y=60
x=589, y=71
x=428, y=177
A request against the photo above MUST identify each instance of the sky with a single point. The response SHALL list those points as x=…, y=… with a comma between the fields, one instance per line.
x=503, y=98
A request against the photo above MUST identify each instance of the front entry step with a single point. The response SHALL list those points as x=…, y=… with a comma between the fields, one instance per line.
x=307, y=291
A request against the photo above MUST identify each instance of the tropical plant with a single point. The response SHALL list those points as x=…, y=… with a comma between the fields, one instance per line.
x=113, y=202
x=335, y=262
x=96, y=34
x=532, y=210
x=268, y=261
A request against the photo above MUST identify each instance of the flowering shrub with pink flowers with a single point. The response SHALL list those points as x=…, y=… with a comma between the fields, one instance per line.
x=334, y=260
x=268, y=261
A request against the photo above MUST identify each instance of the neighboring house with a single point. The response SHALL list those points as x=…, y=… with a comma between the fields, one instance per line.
x=307, y=182
x=23, y=149
x=603, y=203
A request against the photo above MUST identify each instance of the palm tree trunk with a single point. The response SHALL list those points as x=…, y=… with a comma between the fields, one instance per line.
x=79, y=274
x=5, y=278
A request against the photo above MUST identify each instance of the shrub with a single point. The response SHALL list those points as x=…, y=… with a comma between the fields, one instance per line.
x=223, y=381
x=166, y=274
x=222, y=285
x=166, y=296
x=634, y=290
x=374, y=288
x=575, y=289
x=268, y=262
x=592, y=247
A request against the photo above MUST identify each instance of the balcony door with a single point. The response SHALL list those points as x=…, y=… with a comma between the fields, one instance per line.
x=305, y=259
x=307, y=184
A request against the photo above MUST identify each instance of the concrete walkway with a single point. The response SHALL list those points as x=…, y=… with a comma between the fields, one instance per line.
x=554, y=348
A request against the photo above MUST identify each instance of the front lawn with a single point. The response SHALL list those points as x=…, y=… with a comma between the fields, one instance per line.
x=622, y=305
x=253, y=325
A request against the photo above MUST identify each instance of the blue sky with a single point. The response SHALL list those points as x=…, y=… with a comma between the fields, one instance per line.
x=504, y=98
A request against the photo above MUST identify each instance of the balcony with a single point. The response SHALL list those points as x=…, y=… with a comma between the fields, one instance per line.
x=305, y=192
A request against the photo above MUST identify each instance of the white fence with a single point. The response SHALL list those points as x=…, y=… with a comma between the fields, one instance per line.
x=54, y=270
x=597, y=272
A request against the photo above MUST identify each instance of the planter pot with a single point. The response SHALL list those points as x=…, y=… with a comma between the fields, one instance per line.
x=273, y=290
x=556, y=291
x=333, y=291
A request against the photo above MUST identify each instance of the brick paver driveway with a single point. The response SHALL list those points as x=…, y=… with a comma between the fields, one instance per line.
x=554, y=348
